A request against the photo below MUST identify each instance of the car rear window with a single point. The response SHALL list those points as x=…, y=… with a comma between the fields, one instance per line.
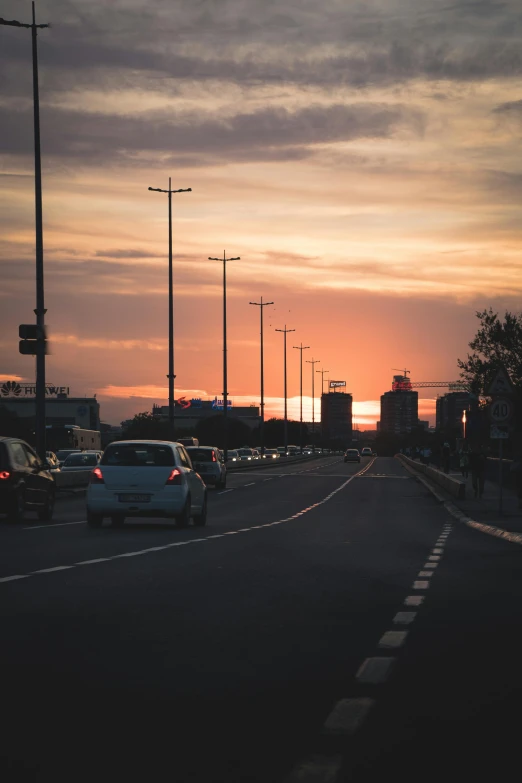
x=138, y=454
x=201, y=455
x=75, y=460
x=352, y=451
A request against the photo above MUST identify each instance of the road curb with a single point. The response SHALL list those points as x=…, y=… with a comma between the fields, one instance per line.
x=460, y=516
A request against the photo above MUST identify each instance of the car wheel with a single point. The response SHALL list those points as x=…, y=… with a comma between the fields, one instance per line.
x=118, y=520
x=183, y=518
x=46, y=514
x=200, y=520
x=94, y=520
x=17, y=512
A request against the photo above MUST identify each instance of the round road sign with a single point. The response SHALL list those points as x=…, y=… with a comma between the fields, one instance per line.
x=501, y=410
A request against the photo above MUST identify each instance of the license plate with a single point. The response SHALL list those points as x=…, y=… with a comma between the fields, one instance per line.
x=134, y=498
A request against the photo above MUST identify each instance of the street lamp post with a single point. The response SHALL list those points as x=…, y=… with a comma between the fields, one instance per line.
x=285, y=332
x=40, y=310
x=313, y=362
x=322, y=380
x=301, y=348
x=171, y=375
x=262, y=304
x=225, y=380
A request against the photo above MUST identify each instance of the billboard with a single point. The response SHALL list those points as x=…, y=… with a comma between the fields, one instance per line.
x=336, y=384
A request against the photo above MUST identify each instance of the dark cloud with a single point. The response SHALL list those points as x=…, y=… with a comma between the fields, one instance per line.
x=511, y=107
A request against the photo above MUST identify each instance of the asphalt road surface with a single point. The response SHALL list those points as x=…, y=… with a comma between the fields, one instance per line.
x=331, y=622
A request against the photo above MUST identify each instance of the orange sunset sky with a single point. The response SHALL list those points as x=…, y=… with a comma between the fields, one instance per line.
x=363, y=159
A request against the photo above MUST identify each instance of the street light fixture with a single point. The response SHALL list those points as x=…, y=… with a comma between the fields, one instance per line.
x=262, y=304
x=225, y=380
x=171, y=375
x=313, y=362
x=322, y=379
x=285, y=332
x=40, y=310
x=301, y=348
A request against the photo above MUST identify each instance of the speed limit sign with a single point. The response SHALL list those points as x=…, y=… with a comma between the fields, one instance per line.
x=501, y=410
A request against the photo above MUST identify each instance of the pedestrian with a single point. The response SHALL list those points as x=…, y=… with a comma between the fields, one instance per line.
x=464, y=463
x=446, y=454
x=477, y=464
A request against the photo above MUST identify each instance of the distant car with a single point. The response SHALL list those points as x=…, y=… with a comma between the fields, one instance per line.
x=62, y=454
x=374, y=453
x=366, y=452
x=352, y=455
x=308, y=449
x=26, y=483
x=233, y=456
x=245, y=455
x=272, y=454
x=256, y=454
x=142, y=478
x=281, y=451
x=85, y=460
x=208, y=462
x=293, y=451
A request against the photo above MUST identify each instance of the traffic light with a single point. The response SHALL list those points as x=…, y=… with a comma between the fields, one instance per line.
x=31, y=335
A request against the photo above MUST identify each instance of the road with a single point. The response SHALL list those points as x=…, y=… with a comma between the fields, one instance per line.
x=329, y=617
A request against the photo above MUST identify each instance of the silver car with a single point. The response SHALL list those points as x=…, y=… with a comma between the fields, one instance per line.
x=209, y=463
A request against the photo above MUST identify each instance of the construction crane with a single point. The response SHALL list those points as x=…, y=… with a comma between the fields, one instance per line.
x=405, y=372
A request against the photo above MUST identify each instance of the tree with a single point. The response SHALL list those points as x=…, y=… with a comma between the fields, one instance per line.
x=210, y=432
x=145, y=426
x=14, y=426
x=497, y=342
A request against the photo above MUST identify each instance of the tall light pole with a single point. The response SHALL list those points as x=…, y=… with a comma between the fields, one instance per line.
x=285, y=332
x=313, y=362
x=262, y=304
x=225, y=380
x=301, y=348
x=171, y=375
x=40, y=310
x=322, y=380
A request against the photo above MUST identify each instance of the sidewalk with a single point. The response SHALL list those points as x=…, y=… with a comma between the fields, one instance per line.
x=485, y=511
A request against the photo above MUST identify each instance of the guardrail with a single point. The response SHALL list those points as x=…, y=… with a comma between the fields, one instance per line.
x=452, y=485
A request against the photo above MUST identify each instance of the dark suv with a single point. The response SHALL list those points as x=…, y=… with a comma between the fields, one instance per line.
x=26, y=483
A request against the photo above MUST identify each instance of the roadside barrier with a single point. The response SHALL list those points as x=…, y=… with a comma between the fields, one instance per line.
x=452, y=485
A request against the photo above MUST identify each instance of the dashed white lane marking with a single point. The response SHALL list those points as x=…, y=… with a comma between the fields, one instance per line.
x=173, y=544
x=224, y=492
x=249, y=485
x=58, y=524
x=434, y=557
x=404, y=618
x=316, y=769
x=413, y=600
x=425, y=573
x=375, y=670
x=430, y=565
x=393, y=639
x=438, y=551
x=269, y=479
x=347, y=716
x=421, y=585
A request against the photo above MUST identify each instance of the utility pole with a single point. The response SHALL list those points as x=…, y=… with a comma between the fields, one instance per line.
x=301, y=348
x=171, y=375
x=313, y=362
x=322, y=380
x=40, y=311
x=285, y=332
x=262, y=304
x=225, y=380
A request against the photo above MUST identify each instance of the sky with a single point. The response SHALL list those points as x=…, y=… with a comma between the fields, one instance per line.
x=362, y=159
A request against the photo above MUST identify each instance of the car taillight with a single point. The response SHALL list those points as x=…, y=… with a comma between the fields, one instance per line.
x=174, y=478
x=214, y=457
x=4, y=474
x=97, y=476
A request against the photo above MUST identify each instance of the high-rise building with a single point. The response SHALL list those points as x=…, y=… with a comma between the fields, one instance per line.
x=336, y=417
x=449, y=411
x=399, y=412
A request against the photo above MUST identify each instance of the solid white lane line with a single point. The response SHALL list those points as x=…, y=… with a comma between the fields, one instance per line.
x=51, y=570
x=58, y=524
x=375, y=671
x=347, y=716
x=420, y=585
x=14, y=578
x=404, y=618
x=393, y=639
x=224, y=492
x=413, y=600
x=316, y=769
x=91, y=562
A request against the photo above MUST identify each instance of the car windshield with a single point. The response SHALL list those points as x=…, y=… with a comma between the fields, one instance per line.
x=201, y=455
x=138, y=454
x=63, y=453
x=245, y=452
x=77, y=460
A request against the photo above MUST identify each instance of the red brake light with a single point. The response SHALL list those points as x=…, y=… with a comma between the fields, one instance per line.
x=4, y=474
x=97, y=476
x=214, y=456
x=175, y=477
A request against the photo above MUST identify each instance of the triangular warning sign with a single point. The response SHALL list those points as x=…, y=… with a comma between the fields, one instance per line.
x=501, y=383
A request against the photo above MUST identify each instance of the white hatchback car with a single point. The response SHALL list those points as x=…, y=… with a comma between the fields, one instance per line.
x=142, y=478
